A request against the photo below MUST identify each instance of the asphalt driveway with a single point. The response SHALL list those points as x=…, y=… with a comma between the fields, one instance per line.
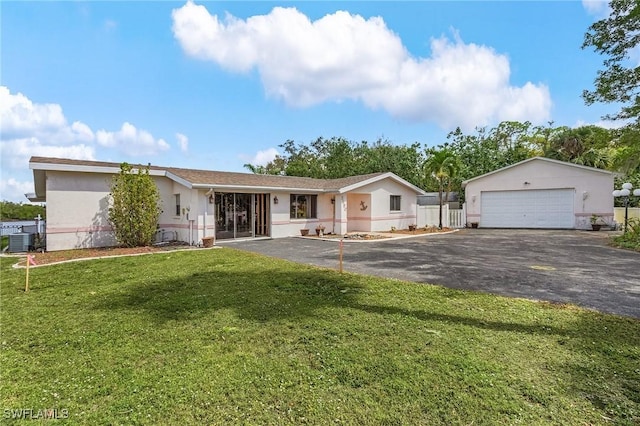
x=557, y=266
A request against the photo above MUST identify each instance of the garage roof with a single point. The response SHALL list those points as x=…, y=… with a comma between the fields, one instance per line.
x=550, y=160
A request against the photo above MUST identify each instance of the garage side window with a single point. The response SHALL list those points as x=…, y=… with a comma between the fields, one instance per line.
x=177, y=200
x=394, y=203
x=304, y=206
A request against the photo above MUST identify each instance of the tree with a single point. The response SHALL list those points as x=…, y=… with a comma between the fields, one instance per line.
x=337, y=158
x=19, y=211
x=626, y=157
x=616, y=36
x=135, y=206
x=587, y=145
x=443, y=165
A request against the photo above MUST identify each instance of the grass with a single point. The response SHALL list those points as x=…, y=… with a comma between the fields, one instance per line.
x=626, y=242
x=631, y=238
x=221, y=336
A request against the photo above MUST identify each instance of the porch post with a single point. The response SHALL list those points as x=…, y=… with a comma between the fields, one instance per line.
x=340, y=208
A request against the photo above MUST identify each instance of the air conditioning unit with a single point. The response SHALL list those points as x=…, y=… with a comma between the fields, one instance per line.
x=20, y=243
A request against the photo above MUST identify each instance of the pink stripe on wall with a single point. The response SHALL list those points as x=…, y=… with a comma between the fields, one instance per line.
x=590, y=214
x=380, y=218
x=173, y=225
x=53, y=230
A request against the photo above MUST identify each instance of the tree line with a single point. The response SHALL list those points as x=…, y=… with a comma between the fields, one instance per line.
x=19, y=211
x=462, y=156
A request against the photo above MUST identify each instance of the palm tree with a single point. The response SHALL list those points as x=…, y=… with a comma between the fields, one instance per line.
x=255, y=169
x=443, y=165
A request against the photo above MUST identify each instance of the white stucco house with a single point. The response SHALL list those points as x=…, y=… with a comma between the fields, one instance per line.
x=225, y=205
x=540, y=193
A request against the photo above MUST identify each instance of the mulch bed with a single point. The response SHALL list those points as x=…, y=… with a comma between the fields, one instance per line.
x=419, y=231
x=64, y=255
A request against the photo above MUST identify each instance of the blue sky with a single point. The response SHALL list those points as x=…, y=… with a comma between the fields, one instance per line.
x=215, y=85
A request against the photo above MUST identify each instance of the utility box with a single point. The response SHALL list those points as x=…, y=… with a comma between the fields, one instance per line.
x=20, y=243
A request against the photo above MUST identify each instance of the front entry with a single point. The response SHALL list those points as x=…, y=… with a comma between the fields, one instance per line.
x=241, y=215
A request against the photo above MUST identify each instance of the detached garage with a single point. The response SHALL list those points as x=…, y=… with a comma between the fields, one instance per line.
x=540, y=193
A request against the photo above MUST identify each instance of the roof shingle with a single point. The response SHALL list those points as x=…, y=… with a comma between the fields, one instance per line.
x=226, y=179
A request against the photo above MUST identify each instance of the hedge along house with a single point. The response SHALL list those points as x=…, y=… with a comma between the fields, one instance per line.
x=540, y=193
x=224, y=205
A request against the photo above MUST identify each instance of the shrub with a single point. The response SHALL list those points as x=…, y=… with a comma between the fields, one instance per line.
x=134, y=209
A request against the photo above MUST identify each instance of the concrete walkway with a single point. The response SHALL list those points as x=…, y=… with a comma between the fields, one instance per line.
x=557, y=266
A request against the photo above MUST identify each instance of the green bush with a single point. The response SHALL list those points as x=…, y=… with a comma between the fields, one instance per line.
x=135, y=209
x=631, y=238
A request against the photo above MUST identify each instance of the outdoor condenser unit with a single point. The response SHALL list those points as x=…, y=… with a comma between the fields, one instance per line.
x=19, y=243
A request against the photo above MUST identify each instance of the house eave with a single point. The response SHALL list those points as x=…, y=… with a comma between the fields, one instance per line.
x=32, y=197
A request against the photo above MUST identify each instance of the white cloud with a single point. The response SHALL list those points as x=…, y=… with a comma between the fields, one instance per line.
x=597, y=8
x=32, y=129
x=344, y=56
x=261, y=158
x=183, y=142
x=605, y=124
x=16, y=152
x=39, y=129
x=12, y=189
x=131, y=140
x=20, y=116
x=110, y=25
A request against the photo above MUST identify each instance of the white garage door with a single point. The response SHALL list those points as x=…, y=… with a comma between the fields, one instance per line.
x=536, y=208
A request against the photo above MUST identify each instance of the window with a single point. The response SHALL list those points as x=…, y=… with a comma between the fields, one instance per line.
x=304, y=206
x=394, y=203
x=177, y=197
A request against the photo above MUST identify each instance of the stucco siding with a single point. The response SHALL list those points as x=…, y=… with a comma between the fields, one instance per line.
x=77, y=196
x=283, y=225
x=78, y=211
x=591, y=188
x=381, y=217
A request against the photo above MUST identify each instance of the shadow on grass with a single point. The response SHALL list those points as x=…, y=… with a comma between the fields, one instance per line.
x=603, y=347
x=260, y=296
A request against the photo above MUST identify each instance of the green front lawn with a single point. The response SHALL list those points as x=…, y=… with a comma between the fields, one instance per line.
x=221, y=336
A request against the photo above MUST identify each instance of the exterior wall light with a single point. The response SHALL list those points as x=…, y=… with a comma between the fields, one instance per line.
x=275, y=200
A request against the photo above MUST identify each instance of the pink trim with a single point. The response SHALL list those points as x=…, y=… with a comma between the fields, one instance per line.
x=52, y=230
x=169, y=226
x=590, y=214
x=360, y=219
x=374, y=219
x=473, y=215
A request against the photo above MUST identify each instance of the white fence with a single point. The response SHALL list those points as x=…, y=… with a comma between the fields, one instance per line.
x=15, y=227
x=451, y=218
x=618, y=214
